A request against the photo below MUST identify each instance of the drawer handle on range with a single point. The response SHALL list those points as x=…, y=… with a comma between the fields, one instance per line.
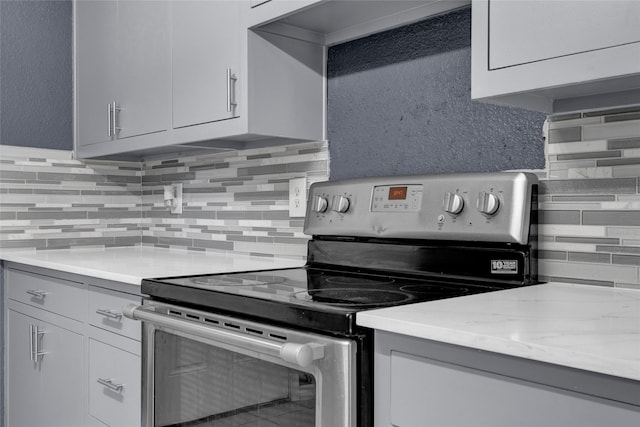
x=300, y=354
x=111, y=314
x=37, y=294
x=108, y=383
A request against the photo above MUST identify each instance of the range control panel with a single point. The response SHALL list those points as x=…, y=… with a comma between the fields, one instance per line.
x=396, y=198
x=494, y=207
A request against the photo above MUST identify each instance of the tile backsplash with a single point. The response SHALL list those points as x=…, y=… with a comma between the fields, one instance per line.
x=235, y=201
x=590, y=200
x=238, y=201
x=50, y=201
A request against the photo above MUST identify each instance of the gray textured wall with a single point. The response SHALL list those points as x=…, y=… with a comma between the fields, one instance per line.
x=399, y=103
x=36, y=77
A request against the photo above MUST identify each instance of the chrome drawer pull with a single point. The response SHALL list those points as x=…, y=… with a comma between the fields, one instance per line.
x=108, y=383
x=111, y=314
x=37, y=294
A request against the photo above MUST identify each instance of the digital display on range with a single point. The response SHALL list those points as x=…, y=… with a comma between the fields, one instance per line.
x=398, y=193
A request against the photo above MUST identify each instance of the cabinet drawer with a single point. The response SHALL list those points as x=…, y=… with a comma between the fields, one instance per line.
x=105, y=311
x=114, y=385
x=59, y=296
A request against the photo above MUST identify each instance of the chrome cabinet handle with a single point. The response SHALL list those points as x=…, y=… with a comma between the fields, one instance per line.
x=111, y=314
x=114, y=121
x=37, y=294
x=231, y=79
x=300, y=354
x=34, y=344
x=109, y=120
x=31, y=346
x=108, y=383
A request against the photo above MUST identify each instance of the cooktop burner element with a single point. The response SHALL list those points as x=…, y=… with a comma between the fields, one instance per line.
x=354, y=297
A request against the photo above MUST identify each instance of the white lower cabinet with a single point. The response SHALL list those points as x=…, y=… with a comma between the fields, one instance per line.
x=45, y=373
x=422, y=383
x=72, y=359
x=114, y=385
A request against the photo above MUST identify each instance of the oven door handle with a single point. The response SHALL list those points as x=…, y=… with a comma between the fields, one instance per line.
x=302, y=355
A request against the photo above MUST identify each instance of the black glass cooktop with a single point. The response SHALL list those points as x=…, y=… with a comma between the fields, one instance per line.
x=305, y=294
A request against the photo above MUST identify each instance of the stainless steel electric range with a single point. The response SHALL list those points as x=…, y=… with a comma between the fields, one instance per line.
x=281, y=347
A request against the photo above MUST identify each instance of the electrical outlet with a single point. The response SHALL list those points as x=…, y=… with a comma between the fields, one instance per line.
x=297, y=197
x=173, y=198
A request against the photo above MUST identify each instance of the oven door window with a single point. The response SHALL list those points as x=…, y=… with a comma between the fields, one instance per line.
x=197, y=384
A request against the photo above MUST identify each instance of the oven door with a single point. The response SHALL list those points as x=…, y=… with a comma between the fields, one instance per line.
x=204, y=369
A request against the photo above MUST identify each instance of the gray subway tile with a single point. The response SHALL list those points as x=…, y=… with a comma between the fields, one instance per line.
x=261, y=195
x=623, y=143
x=26, y=243
x=590, y=257
x=559, y=217
x=307, y=166
x=584, y=198
x=72, y=177
x=558, y=255
x=588, y=240
x=619, y=249
x=610, y=111
x=213, y=244
x=625, y=217
x=589, y=186
x=79, y=241
x=259, y=156
x=622, y=117
x=276, y=215
x=571, y=134
x=175, y=241
x=17, y=175
x=262, y=170
x=239, y=215
x=113, y=214
x=619, y=162
x=563, y=117
x=291, y=240
x=626, y=259
x=241, y=238
x=51, y=215
x=591, y=155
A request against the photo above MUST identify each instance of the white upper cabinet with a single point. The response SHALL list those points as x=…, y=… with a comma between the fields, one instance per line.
x=206, y=61
x=161, y=77
x=143, y=67
x=96, y=53
x=122, y=70
x=556, y=55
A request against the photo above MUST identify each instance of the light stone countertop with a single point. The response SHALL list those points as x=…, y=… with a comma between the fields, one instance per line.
x=585, y=327
x=132, y=264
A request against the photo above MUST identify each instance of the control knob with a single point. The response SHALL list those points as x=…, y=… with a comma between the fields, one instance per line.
x=453, y=203
x=488, y=203
x=340, y=204
x=320, y=204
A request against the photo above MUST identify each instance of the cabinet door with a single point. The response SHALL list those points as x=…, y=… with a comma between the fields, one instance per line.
x=23, y=376
x=62, y=368
x=205, y=45
x=96, y=63
x=114, y=385
x=532, y=30
x=143, y=67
